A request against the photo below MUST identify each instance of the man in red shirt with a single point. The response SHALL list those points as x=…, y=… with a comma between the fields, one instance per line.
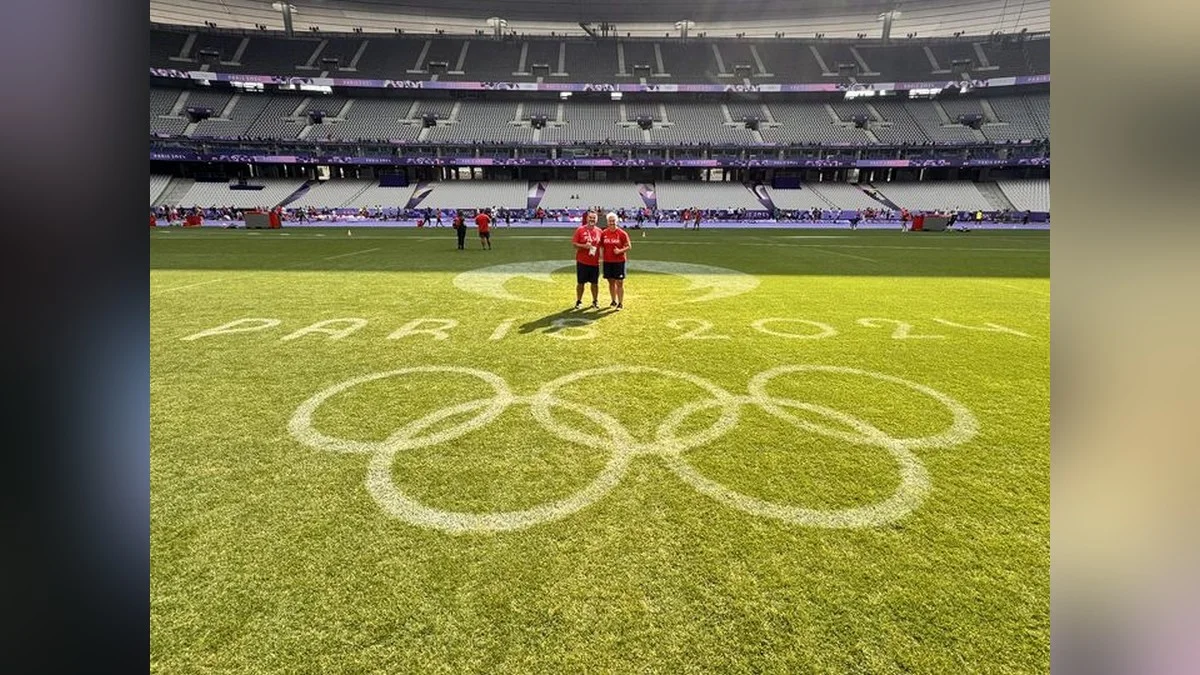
x=587, y=259
x=615, y=243
x=484, y=222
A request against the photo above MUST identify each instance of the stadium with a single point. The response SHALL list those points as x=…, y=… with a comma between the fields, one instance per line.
x=405, y=418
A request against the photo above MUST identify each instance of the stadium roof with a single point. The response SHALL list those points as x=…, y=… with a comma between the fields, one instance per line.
x=629, y=11
x=652, y=18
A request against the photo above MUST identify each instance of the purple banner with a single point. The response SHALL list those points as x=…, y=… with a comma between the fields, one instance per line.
x=187, y=156
x=649, y=195
x=288, y=80
x=419, y=193
x=764, y=197
x=535, y=192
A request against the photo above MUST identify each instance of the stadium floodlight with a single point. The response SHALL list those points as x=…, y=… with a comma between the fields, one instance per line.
x=888, y=18
x=497, y=25
x=564, y=95
x=615, y=95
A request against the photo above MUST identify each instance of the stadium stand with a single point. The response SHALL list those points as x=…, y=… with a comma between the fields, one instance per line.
x=688, y=61
x=161, y=102
x=216, y=99
x=790, y=63
x=1014, y=119
x=639, y=52
x=376, y=195
x=1039, y=109
x=683, y=195
x=489, y=60
x=933, y=195
x=394, y=57
x=442, y=50
x=1027, y=195
x=370, y=118
x=471, y=194
x=939, y=126
x=591, y=122
x=241, y=111
x=926, y=18
x=279, y=56
x=696, y=122
x=483, y=122
x=334, y=194
x=916, y=122
x=277, y=119
x=805, y=198
x=587, y=62
x=809, y=123
x=583, y=194
x=739, y=111
x=345, y=50
x=908, y=59
x=404, y=40
x=158, y=183
x=166, y=45
x=900, y=127
x=843, y=195
x=274, y=191
x=226, y=46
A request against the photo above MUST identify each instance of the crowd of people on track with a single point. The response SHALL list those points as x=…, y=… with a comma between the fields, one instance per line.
x=635, y=217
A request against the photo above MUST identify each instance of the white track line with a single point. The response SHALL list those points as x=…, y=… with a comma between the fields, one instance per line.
x=180, y=288
x=844, y=255
x=237, y=276
x=347, y=255
x=1017, y=288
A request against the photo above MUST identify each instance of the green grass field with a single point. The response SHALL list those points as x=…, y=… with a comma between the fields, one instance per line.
x=792, y=452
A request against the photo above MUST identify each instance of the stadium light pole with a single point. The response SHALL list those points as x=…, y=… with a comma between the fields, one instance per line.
x=887, y=18
x=498, y=25
x=684, y=26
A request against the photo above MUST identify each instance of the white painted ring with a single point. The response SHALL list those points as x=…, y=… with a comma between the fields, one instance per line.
x=914, y=479
x=301, y=427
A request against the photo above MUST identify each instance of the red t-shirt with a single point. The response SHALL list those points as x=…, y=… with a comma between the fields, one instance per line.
x=483, y=222
x=612, y=240
x=585, y=234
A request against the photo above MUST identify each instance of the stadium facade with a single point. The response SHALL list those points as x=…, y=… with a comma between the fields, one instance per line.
x=938, y=104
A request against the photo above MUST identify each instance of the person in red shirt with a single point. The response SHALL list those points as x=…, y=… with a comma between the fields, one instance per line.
x=615, y=244
x=484, y=222
x=460, y=229
x=587, y=259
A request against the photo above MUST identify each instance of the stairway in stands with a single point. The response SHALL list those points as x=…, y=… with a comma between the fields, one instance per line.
x=874, y=193
x=300, y=192
x=995, y=196
x=175, y=190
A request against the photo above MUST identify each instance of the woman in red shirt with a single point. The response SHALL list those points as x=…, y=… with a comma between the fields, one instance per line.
x=614, y=243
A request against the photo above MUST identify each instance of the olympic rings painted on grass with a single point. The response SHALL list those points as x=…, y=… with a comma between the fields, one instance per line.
x=622, y=447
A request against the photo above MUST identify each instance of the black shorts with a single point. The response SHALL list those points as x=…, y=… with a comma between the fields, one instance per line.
x=614, y=270
x=586, y=274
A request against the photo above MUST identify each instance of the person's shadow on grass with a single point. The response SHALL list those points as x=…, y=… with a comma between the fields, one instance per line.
x=563, y=319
